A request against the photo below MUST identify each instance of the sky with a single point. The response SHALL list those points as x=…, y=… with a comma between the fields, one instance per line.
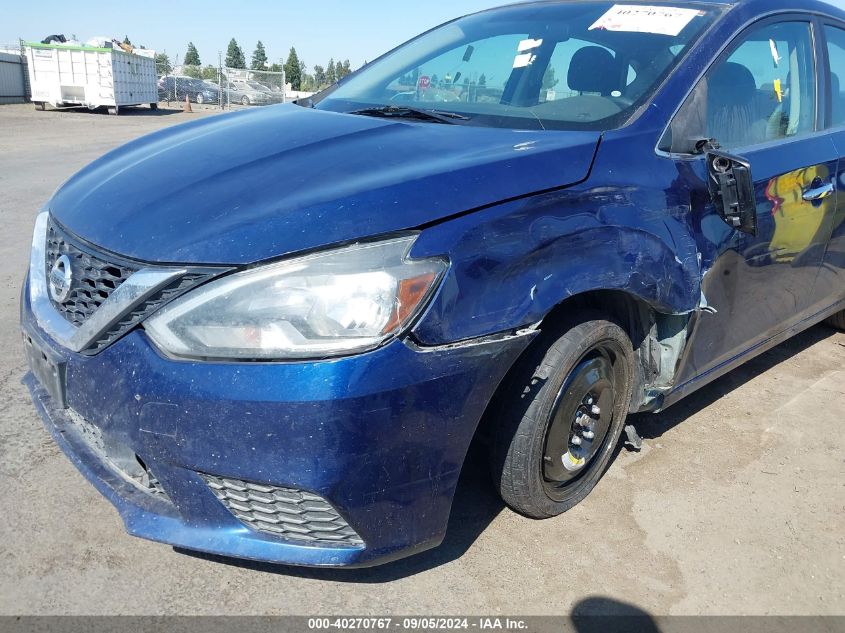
x=358, y=30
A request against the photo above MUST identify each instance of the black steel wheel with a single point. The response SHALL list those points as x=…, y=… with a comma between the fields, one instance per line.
x=563, y=409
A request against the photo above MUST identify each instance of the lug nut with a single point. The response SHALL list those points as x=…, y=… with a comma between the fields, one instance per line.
x=576, y=441
x=595, y=410
x=588, y=435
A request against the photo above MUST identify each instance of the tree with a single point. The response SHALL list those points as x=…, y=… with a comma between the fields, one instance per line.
x=344, y=70
x=259, y=57
x=293, y=70
x=209, y=73
x=320, y=77
x=235, y=56
x=163, y=66
x=331, y=73
x=192, y=71
x=192, y=57
x=549, y=80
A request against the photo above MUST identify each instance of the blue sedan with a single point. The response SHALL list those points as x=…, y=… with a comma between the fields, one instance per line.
x=514, y=229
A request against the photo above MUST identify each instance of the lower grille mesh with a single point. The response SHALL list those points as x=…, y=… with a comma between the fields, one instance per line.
x=284, y=512
x=119, y=458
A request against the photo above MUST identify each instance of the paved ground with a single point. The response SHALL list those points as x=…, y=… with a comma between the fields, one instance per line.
x=736, y=505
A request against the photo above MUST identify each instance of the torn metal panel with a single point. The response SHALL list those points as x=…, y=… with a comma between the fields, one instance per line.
x=513, y=263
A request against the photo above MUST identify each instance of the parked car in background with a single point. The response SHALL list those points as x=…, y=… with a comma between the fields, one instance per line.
x=245, y=94
x=274, y=96
x=176, y=88
x=570, y=212
x=208, y=92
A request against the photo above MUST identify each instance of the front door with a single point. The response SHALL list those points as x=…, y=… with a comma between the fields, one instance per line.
x=759, y=102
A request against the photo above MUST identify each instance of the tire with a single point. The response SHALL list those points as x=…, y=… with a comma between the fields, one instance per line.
x=40, y=105
x=547, y=391
x=153, y=107
x=245, y=101
x=837, y=320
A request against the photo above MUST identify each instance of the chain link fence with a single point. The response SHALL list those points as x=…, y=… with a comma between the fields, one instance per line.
x=220, y=86
x=14, y=78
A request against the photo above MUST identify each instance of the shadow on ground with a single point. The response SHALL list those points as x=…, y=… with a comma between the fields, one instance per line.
x=599, y=614
x=476, y=504
x=125, y=111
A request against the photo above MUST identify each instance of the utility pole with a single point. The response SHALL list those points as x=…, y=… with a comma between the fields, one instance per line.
x=220, y=78
x=284, y=85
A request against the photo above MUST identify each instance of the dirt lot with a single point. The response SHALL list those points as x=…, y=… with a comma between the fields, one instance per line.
x=736, y=504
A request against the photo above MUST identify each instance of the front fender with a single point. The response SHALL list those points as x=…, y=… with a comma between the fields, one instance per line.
x=513, y=264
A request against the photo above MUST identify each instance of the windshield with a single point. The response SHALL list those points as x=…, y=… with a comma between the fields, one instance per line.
x=563, y=66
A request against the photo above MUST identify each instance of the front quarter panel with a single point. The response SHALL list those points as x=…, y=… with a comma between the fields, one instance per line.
x=625, y=228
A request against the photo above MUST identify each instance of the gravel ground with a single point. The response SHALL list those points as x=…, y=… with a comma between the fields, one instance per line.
x=735, y=505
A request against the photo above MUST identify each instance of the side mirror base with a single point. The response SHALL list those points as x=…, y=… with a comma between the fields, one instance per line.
x=732, y=190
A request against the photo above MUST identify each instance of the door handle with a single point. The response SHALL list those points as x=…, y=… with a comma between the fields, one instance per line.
x=818, y=191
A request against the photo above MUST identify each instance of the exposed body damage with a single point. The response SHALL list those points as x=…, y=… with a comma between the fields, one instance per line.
x=515, y=264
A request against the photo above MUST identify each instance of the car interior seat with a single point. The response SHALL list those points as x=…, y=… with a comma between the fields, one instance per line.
x=732, y=117
x=593, y=70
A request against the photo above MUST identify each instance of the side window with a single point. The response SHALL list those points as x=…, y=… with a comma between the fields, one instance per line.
x=765, y=90
x=836, y=54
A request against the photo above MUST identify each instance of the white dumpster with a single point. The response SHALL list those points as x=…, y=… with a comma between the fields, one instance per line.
x=93, y=77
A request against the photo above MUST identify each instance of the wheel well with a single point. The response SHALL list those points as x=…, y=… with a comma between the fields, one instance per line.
x=632, y=314
x=657, y=339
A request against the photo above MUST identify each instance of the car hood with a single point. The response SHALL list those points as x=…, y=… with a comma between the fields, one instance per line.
x=258, y=184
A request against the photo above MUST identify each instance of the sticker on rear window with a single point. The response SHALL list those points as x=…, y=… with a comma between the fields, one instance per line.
x=646, y=19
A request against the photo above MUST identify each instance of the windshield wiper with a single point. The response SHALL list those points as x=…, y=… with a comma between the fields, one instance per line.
x=435, y=116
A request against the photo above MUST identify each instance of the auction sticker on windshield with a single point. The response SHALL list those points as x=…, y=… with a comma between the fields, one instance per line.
x=645, y=19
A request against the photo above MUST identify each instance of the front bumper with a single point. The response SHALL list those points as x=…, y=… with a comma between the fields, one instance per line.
x=380, y=436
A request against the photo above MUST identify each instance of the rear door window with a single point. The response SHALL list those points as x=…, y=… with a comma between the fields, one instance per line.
x=836, y=55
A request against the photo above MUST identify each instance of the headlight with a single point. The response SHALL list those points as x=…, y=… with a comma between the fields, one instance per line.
x=333, y=303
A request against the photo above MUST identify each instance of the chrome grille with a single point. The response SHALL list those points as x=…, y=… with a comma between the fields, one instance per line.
x=94, y=277
x=284, y=512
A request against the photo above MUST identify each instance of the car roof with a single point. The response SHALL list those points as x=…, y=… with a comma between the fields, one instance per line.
x=760, y=6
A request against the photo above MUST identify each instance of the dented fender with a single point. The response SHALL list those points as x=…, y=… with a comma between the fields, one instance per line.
x=511, y=265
